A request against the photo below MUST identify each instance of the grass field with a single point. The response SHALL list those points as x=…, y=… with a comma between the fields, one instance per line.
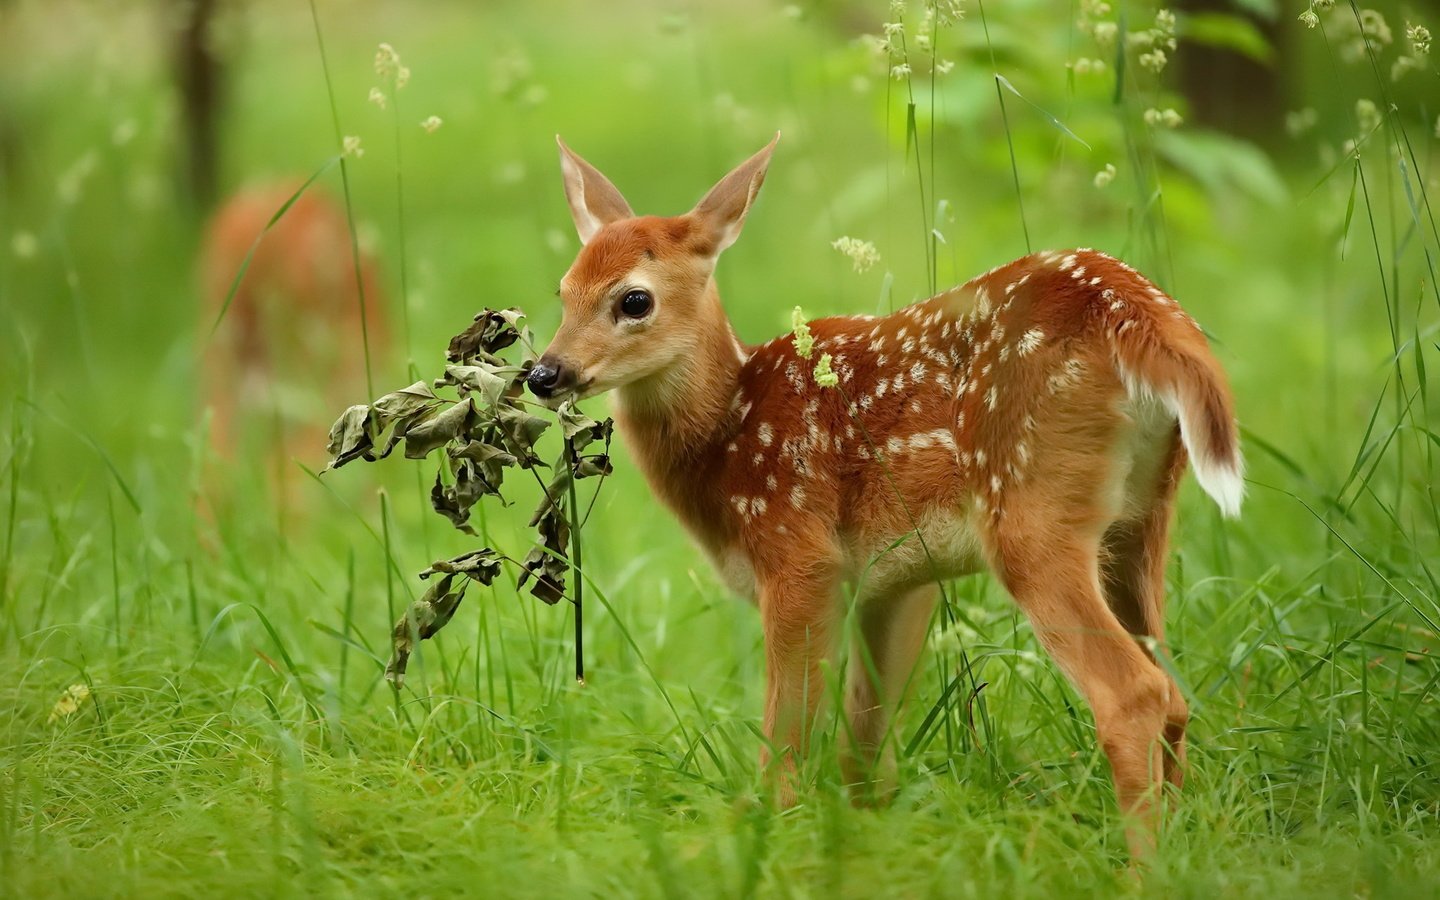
x=238, y=736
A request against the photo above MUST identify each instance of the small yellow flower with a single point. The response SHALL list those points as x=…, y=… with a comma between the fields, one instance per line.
x=69, y=702
x=804, y=340
x=824, y=375
x=387, y=61
x=432, y=124
x=1154, y=60
x=1309, y=19
x=900, y=72
x=351, y=146
x=1105, y=176
x=1419, y=37
x=377, y=97
x=402, y=77
x=862, y=253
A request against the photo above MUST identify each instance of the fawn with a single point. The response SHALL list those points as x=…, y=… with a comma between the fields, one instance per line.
x=290, y=344
x=1035, y=420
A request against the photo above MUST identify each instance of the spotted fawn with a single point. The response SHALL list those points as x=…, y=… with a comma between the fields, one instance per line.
x=1034, y=421
x=289, y=347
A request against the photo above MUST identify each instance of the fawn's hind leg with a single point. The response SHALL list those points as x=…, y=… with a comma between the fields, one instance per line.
x=1133, y=572
x=1053, y=574
x=882, y=662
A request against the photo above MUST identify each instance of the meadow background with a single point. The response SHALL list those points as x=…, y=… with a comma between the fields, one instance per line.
x=237, y=736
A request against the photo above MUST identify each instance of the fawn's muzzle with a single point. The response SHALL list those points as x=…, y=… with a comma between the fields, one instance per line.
x=549, y=377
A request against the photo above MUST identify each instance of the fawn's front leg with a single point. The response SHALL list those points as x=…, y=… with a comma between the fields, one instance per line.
x=800, y=613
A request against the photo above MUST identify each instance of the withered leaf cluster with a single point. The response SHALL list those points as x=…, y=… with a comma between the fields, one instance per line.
x=487, y=429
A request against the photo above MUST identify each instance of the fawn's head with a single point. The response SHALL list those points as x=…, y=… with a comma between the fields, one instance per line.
x=638, y=299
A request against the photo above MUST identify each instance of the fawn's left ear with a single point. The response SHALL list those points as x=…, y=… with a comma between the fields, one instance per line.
x=723, y=210
x=594, y=201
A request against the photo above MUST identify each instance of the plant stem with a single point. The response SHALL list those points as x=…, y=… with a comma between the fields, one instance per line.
x=576, y=566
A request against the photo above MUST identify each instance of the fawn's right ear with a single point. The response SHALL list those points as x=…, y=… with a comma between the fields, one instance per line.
x=723, y=210
x=594, y=201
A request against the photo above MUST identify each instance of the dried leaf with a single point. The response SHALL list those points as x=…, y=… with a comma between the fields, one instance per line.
x=424, y=437
x=426, y=616
x=452, y=504
x=521, y=431
x=491, y=332
x=579, y=429
x=492, y=382
x=349, y=436
x=549, y=574
x=404, y=402
x=482, y=565
x=590, y=466
x=547, y=562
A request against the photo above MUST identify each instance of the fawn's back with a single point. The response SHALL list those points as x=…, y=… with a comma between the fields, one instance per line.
x=1042, y=371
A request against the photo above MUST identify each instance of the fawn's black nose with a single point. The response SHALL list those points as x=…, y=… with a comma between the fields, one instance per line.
x=545, y=378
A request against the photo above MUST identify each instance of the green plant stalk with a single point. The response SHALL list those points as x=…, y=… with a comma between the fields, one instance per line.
x=1005, y=121
x=576, y=566
x=349, y=206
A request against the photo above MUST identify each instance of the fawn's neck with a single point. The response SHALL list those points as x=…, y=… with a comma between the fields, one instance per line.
x=677, y=421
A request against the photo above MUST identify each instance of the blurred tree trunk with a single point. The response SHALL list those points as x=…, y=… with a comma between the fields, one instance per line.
x=200, y=77
x=1230, y=90
x=9, y=132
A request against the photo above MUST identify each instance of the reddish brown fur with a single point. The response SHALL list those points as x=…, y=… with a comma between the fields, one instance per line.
x=293, y=327
x=1013, y=423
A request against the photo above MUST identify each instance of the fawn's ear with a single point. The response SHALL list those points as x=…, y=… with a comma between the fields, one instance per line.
x=594, y=201
x=723, y=209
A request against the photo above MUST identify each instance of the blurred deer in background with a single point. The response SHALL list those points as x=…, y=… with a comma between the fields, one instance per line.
x=291, y=346
x=1035, y=420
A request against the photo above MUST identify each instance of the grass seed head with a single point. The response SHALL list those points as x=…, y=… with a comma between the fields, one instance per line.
x=862, y=253
x=804, y=340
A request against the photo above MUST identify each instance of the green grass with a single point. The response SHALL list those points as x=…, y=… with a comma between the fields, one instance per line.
x=239, y=738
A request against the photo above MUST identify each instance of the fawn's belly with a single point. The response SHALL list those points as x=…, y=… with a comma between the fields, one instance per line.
x=944, y=543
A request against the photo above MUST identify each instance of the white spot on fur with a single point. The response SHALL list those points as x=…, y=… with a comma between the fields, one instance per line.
x=982, y=302
x=1029, y=341
x=1067, y=377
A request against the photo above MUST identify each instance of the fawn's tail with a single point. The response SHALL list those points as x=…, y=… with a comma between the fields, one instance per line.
x=1163, y=354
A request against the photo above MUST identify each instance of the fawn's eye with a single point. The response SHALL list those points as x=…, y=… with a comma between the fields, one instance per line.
x=636, y=304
